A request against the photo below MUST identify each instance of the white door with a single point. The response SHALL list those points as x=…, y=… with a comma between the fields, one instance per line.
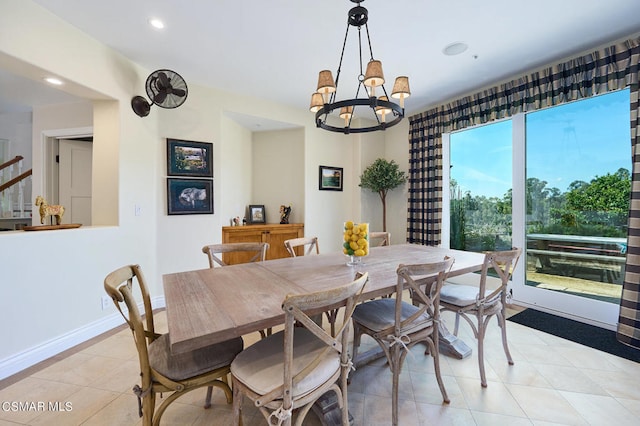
x=75, y=180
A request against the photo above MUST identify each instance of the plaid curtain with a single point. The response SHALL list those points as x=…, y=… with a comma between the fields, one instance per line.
x=612, y=68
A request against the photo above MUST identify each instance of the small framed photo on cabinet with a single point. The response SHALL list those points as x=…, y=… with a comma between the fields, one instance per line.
x=257, y=214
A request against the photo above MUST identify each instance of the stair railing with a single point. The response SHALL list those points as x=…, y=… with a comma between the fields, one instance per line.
x=8, y=185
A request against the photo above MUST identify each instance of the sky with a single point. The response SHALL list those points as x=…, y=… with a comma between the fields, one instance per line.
x=575, y=141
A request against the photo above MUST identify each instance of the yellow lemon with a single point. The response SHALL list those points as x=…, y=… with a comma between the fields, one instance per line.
x=347, y=237
x=344, y=250
x=348, y=225
x=362, y=242
x=364, y=227
x=359, y=252
x=354, y=245
x=354, y=237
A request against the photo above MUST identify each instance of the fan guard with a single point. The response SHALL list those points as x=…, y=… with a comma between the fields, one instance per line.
x=165, y=88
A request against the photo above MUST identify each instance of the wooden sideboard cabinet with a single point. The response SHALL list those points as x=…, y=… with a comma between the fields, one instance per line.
x=274, y=234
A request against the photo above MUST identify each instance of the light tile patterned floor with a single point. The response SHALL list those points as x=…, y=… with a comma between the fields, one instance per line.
x=553, y=381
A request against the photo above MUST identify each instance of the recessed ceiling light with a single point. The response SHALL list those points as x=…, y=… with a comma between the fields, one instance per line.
x=454, y=49
x=156, y=23
x=53, y=80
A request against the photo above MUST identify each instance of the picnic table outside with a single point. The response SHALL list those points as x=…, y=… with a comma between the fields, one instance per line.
x=568, y=255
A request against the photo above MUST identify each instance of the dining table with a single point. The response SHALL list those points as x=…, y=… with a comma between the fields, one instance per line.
x=211, y=305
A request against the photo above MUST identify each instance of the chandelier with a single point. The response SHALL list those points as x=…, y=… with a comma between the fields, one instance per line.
x=378, y=111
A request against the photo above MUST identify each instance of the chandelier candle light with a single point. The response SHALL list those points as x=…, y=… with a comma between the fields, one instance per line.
x=383, y=113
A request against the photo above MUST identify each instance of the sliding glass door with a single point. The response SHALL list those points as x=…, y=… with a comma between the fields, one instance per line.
x=567, y=205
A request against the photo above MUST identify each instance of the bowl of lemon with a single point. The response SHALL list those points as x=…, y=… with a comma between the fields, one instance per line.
x=356, y=242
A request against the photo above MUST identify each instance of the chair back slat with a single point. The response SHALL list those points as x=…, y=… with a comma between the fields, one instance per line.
x=379, y=238
x=310, y=245
x=413, y=277
x=258, y=251
x=503, y=263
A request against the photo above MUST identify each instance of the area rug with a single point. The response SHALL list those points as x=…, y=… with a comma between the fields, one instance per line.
x=584, y=334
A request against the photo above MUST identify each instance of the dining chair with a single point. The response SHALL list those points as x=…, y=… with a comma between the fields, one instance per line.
x=397, y=325
x=379, y=238
x=469, y=301
x=310, y=245
x=291, y=369
x=162, y=371
x=257, y=251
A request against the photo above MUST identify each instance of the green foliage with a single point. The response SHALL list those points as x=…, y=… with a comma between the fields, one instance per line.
x=381, y=176
x=596, y=208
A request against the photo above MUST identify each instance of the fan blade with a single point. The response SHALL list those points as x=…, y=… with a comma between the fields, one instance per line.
x=178, y=92
x=163, y=81
x=160, y=97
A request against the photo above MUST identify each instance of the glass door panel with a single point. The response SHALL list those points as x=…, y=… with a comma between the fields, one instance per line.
x=577, y=187
x=480, y=188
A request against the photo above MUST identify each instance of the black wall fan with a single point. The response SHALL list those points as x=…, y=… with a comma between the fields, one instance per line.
x=165, y=88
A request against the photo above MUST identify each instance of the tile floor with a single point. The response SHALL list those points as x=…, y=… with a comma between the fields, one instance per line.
x=553, y=382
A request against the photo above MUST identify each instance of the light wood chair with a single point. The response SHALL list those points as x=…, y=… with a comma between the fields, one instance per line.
x=291, y=369
x=257, y=251
x=379, y=238
x=160, y=370
x=397, y=326
x=310, y=245
x=469, y=301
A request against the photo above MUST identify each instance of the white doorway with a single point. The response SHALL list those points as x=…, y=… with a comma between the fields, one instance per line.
x=67, y=172
x=74, y=179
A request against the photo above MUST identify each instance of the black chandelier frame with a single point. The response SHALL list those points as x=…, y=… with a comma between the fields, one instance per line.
x=358, y=17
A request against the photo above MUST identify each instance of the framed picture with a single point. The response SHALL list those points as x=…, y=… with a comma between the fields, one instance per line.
x=189, y=196
x=257, y=214
x=185, y=158
x=330, y=178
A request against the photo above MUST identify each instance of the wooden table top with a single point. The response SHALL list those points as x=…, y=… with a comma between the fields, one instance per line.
x=211, y=305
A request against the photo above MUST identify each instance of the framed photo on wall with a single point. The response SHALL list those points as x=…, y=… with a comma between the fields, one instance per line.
x=330, y=178
x=189, y=196
x=186, y=158
x=257, y=214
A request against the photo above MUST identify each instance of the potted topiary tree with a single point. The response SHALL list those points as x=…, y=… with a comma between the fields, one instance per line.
x=382, y=176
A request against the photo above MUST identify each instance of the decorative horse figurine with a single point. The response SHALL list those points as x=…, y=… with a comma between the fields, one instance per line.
x=46, y=210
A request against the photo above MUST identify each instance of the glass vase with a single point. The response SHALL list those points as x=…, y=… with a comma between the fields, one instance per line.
x=355, y=242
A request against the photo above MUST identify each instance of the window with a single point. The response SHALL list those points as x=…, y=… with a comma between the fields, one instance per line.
x=576, y=189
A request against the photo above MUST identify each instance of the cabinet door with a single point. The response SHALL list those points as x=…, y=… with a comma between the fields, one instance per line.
x=276, y=239
x=243, y=236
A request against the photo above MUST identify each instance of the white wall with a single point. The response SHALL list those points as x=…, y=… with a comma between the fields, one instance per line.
x=51, y=281
x=278, y=168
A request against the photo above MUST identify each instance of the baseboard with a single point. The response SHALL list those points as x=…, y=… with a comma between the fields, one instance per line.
x=30, y=357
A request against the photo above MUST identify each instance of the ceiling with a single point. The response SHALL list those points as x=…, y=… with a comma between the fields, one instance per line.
x=274, y=49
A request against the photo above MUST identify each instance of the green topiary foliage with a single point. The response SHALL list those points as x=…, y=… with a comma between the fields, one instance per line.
x=382, y=176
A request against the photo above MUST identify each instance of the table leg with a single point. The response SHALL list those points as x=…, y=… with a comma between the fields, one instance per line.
x=451, y=345
x=328, y=410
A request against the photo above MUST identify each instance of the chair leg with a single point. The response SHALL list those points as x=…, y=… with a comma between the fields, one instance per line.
x=237, y=406
x=207, y=400
x=481, y=330
x=435, y=353
x=394, y=364
x=503, y=326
